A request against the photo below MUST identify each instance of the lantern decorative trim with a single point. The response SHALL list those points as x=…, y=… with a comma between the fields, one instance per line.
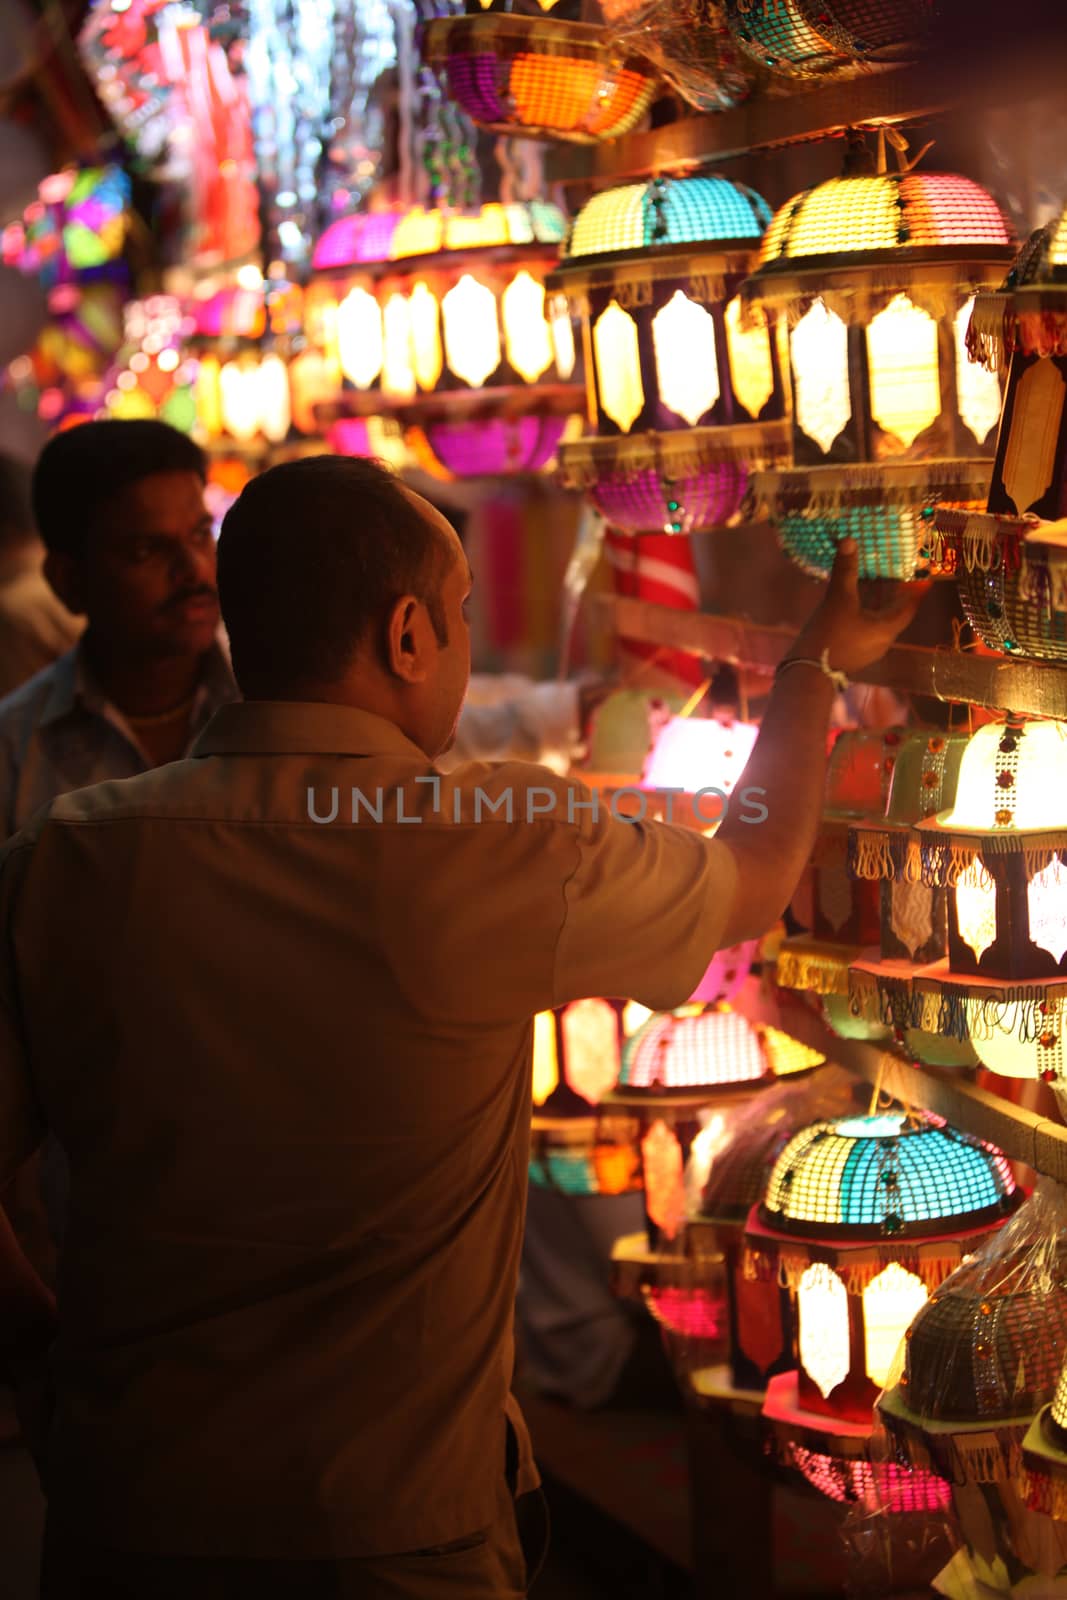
x=814, y=965
x=540, y=77
x=1011, y=573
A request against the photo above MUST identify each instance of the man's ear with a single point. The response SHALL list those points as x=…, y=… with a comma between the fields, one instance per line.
x=407, y=640
x=66, y=575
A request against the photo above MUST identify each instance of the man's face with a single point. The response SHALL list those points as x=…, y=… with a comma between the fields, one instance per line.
x=148, y=577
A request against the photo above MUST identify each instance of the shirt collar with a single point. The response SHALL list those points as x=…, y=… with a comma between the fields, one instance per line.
x=289, y=727
x=74, y=684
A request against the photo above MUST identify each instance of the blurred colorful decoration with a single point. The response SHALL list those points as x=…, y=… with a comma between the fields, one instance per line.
x=685, y=399
x=809, y=38
x=539, y=77
x=690, y=45
x=701, y=760
x=983, y=1354
x=165, y=77
x=1009, y=559
x=914, y=928
x=441, y=320
x=154, y=377
x=657, y=568
x=873, y=276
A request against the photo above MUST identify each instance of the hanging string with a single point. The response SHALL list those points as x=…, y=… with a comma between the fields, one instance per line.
x=695, y=698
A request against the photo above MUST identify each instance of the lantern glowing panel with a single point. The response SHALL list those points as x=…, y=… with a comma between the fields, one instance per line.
x=591, y=1048
x=675, y=1051
x=890, y=1302
x=683, y=337
x=359, y=338
x=977, y=388
x=472, y=336
x=902, y=357
x=527, y=336
x=819, y=349
x=618, y=360
x=427, y=355
x=693, y=754
x=823, y=1334
x=663, y=1164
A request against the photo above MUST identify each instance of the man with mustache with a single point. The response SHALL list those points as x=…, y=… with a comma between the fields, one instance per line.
x=120, y=508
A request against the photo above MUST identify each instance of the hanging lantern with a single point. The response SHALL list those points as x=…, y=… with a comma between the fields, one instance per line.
x=981, y=1356
x=701, y=760
x=540, y=77
x=913, y=913
x=442, y=321
x=757, y=1311
x=678, y=1073
x=810, y=38
x=842, y=912
x=875, y=276
x=686, y=398
x=862, y=1219
x=689, y=44
x=577, y=1056
x=1010, y=560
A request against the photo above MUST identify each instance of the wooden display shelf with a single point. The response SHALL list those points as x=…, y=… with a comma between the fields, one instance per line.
x=873, y=99
x=1031, y=688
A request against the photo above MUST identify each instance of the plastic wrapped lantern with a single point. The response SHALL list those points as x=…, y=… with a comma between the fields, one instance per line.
x=690, y=45
x=441, y=321
x=1011, y=559
x=913, y=913
x=844, y=911
x=686, y=398
x=999, y=852
x=1044, y=1476
x=522, y=75
x=981, y=1356
x=681, y=1072
x=862, y=1219
x=810, y=38
x=875, y=276
x=757, y=1311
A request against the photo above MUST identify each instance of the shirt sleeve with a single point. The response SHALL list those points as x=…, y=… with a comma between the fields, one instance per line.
x=22, y=1126
x=646, y=909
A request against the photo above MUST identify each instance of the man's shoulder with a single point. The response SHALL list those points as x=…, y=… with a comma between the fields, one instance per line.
x=24, y=706
x=520, y=787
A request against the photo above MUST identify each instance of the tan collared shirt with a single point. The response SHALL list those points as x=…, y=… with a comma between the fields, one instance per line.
x=289, y=1060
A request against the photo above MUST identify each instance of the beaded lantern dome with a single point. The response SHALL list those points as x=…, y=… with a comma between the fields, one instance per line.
x=686, y=398
x=680, y=1073
x=981, y=1356
x=862, y=1218
x=1010, y=559
x=809, y=38
x=999, y=853
x=540, y=77
x=875, y=277
x=440, y=319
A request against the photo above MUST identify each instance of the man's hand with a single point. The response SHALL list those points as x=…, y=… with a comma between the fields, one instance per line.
x=852, y=634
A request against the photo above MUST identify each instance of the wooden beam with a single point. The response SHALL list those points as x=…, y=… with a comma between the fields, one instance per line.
x=1032, y=688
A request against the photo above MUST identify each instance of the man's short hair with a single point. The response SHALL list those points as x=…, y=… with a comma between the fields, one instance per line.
x=80, y=470
x=312, y=558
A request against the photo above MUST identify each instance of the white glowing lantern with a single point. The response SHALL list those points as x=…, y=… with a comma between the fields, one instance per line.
x=591, y=1054
x=824, y=1340
x=1047, y=902
x=905, y=380
x=527, y=336
x=427, y=356
x=664, y=1169
x=976, y=909
x=618, y=362
x=819, y=350
x=472, y=332
x=1033, y=801
x=359, y=338
x=634, y=1016
x=398, y=373
x=562, y=330
x=274, y=414
x=890, y=1301
x=749, y=352
x=683, y=337
x=977, y=388
x=697, y=753
x=239, y=390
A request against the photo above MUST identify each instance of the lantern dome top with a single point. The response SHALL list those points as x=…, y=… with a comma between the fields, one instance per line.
x=881, y=216
x=1012, y=780
x=374, y=237
x=886, y=1176
x=713, y=1049
x=666, y=213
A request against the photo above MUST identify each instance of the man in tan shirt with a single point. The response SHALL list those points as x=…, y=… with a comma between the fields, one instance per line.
x=275, y=1002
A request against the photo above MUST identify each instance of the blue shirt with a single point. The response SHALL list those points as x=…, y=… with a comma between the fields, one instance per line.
x=59, y=732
